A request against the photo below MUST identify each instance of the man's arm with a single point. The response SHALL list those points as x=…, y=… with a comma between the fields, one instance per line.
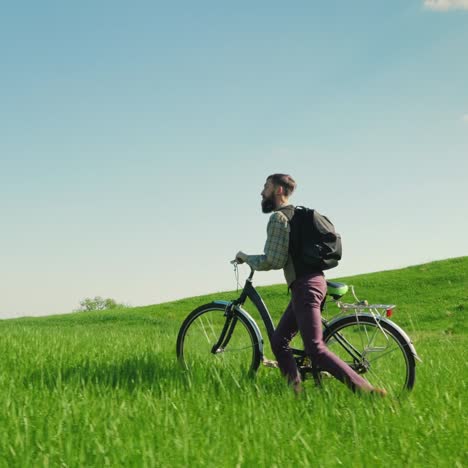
x=276, y=249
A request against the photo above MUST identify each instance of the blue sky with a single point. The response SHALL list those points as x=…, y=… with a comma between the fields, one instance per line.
x=136, y=138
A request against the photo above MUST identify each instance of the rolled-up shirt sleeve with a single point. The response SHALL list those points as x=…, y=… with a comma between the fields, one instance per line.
x=276, y=248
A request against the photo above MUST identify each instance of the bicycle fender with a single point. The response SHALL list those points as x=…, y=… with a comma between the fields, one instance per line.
x=248, y=318
x=388, y=322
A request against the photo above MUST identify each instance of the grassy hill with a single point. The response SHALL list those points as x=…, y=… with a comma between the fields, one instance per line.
x=103, y=388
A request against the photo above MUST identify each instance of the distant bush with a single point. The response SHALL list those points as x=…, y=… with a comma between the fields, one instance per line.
x=99, y=303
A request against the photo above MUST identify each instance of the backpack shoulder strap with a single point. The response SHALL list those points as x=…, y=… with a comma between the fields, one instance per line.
x=288, y=211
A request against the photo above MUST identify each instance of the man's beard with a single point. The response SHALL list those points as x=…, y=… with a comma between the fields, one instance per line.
x=268, y=204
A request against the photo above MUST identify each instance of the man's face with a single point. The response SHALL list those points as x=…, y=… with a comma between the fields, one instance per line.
x=268, y=197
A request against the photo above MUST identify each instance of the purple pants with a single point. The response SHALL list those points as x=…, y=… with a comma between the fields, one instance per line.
x=303, y=314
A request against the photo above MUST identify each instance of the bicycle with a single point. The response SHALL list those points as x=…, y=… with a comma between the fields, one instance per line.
x=223, y=336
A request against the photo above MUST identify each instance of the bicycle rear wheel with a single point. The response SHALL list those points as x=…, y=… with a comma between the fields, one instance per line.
x=236, y=355
x=376, y=350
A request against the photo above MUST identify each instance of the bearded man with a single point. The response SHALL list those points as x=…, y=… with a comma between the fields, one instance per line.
x=308, y=290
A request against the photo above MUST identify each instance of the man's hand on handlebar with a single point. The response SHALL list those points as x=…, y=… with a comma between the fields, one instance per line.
x=241, y=257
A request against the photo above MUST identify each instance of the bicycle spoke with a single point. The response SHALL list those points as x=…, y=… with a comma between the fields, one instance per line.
x=212, y=329
x=374, y=350
x=376, y=378
x=230, y=350
x=237, y=352
x=202, y=326
x=382, y=354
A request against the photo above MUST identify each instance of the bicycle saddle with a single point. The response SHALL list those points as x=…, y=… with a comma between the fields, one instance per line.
x=336, y=290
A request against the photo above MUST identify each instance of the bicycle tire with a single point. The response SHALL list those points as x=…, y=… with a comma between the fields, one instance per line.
x=396, y=373
x=201, y=330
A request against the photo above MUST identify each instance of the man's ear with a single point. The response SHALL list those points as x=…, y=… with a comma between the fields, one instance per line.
x=279, y=190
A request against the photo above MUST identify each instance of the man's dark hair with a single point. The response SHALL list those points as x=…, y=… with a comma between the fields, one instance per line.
x=285, y=181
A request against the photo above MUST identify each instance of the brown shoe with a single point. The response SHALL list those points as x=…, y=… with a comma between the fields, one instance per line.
x=269, y=363
x=379, y=391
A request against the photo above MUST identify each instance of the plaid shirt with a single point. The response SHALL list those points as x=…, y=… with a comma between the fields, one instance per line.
x=276, y=251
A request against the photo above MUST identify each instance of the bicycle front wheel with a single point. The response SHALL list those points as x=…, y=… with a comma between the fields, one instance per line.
x=211, y=339
x=375, y=349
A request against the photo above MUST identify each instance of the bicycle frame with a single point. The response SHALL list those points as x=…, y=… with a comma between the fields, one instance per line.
x=249, y=292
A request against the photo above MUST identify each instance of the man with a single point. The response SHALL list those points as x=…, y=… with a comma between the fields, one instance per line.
x=308, y=289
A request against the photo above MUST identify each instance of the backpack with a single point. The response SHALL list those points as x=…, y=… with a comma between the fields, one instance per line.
x=313, y=242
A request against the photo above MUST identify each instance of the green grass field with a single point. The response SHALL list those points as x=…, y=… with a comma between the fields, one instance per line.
x=104, y=389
